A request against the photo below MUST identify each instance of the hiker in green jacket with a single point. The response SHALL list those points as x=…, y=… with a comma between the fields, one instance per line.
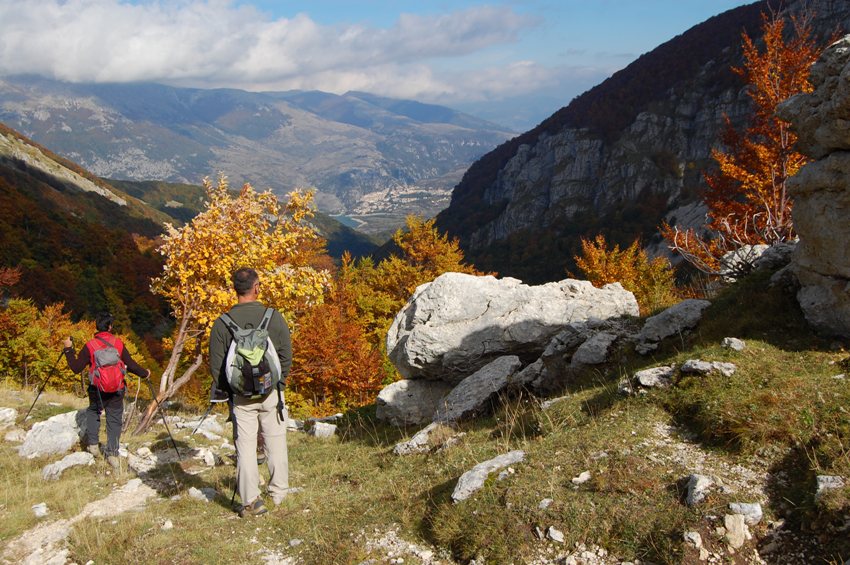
x=264, y=410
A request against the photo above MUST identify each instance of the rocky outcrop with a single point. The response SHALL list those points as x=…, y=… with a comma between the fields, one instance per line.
x=410, y=401
x=54, y=436
x=458, y=323
x=627, y=153
x=821, y=191
x=672, y=321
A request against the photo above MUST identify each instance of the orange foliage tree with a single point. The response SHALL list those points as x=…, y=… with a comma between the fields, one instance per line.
x=650, y=280
x=747, y=197
x=334, y=365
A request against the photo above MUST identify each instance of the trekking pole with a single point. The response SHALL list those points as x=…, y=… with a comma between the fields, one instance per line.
x=162, y=413
x=204, y=417
x=44, y=384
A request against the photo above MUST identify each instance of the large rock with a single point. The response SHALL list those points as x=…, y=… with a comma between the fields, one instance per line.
x=458, y=323
x=54, y=436
x=410, y=401
x=821, y=191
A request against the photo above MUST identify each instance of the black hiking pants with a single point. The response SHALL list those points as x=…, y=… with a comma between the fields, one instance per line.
x=113, y=404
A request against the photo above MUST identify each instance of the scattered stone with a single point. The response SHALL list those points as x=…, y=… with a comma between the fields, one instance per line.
x=594, y=351
x=472, y=395
x=206, y=494
x=294, y=425
x=40, y=510
x=322, y=430
x=826, y=483
x=7, y=417
x=694, y=539
x=15, y=435
x=410, y=401
x=656, y=377
x=474, y=479
x=737, y=532
x=209, y=424
x=54, y=436
x=425, y=439
x=583, y=477
x=700, y=367
x=751, y=512
x=167, y=525
x=54, y=470
x=546, y=404
x=555, y=534
x=733, y=343
x=295, y=542
x=672, y=321
x=540, y=534
x=698, y=486
x=545, y=503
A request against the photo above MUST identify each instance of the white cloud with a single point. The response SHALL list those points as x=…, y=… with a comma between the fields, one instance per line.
x=209, y=43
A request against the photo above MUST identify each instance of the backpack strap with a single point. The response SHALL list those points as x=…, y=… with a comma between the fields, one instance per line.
x=230, y=324
x=267, y=316
x=117, y=344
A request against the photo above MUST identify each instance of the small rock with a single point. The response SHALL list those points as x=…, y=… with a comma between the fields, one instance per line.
x=694, y=539
x=539, y=533
x=7, y=417
x=707, y=367
x=206, y=494
x=322, y=430
x=737, y=532
x=698, y=486
x=167, y=525
x=733, y=343
x=828, y=482
x=583, y=477
x=295, y=542
x=54, y=470
x=15, y=435
x=656, y=376
x=751, y=512
x=40, y=510
x=545, y=503
x=555, y=534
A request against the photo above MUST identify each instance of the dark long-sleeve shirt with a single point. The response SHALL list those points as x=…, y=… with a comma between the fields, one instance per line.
x=249, y=314
x=83, y=358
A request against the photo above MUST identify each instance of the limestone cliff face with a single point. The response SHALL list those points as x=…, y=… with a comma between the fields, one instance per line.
x=821, y=191
x=618, y=160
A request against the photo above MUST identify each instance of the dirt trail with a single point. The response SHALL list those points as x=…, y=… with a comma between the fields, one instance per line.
x=45, y=544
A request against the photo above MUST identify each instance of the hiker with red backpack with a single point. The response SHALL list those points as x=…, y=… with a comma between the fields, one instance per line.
x=108, y=361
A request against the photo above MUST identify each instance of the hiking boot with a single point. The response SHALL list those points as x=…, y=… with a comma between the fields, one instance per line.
x=256, y=508
x=113, y=461
x=94, y=450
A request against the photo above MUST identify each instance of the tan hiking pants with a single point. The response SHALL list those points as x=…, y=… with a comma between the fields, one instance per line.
x=251, y=415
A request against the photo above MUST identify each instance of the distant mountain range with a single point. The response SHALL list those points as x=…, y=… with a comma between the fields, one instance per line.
x=368, y=156
x=75, y=235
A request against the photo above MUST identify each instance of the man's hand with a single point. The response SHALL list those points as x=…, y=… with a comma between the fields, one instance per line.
x=68, y=343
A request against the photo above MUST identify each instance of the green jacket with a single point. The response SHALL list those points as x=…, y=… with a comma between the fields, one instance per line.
x=245, y=315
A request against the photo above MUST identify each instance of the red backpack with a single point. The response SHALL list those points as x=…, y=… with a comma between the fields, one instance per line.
x=107, y=370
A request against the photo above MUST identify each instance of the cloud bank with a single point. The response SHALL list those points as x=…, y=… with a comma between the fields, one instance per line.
x=215, y=43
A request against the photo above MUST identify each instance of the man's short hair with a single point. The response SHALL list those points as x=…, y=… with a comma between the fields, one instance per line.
x=103, y=321
x=244, y=280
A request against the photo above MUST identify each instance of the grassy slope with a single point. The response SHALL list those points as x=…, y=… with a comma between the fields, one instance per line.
x=783, y=413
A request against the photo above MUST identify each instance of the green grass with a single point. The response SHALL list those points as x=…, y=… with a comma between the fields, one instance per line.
x=782, y=413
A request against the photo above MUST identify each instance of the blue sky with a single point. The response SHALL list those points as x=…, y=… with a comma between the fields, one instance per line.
x=514, y=62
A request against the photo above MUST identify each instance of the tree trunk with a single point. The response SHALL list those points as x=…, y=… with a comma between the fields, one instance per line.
x=153, y=407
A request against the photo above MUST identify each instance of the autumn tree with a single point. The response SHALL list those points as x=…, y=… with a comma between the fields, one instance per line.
x=334, y=365
x=249, y=229
x=382, y=289
x=747, y=196
x=650, y=280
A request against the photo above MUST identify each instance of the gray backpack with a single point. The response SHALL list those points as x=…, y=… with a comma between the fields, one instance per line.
x=252, y=367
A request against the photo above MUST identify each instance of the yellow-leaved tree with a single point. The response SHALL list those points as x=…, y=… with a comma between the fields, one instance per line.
x=251, y=229
x=651, y=280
